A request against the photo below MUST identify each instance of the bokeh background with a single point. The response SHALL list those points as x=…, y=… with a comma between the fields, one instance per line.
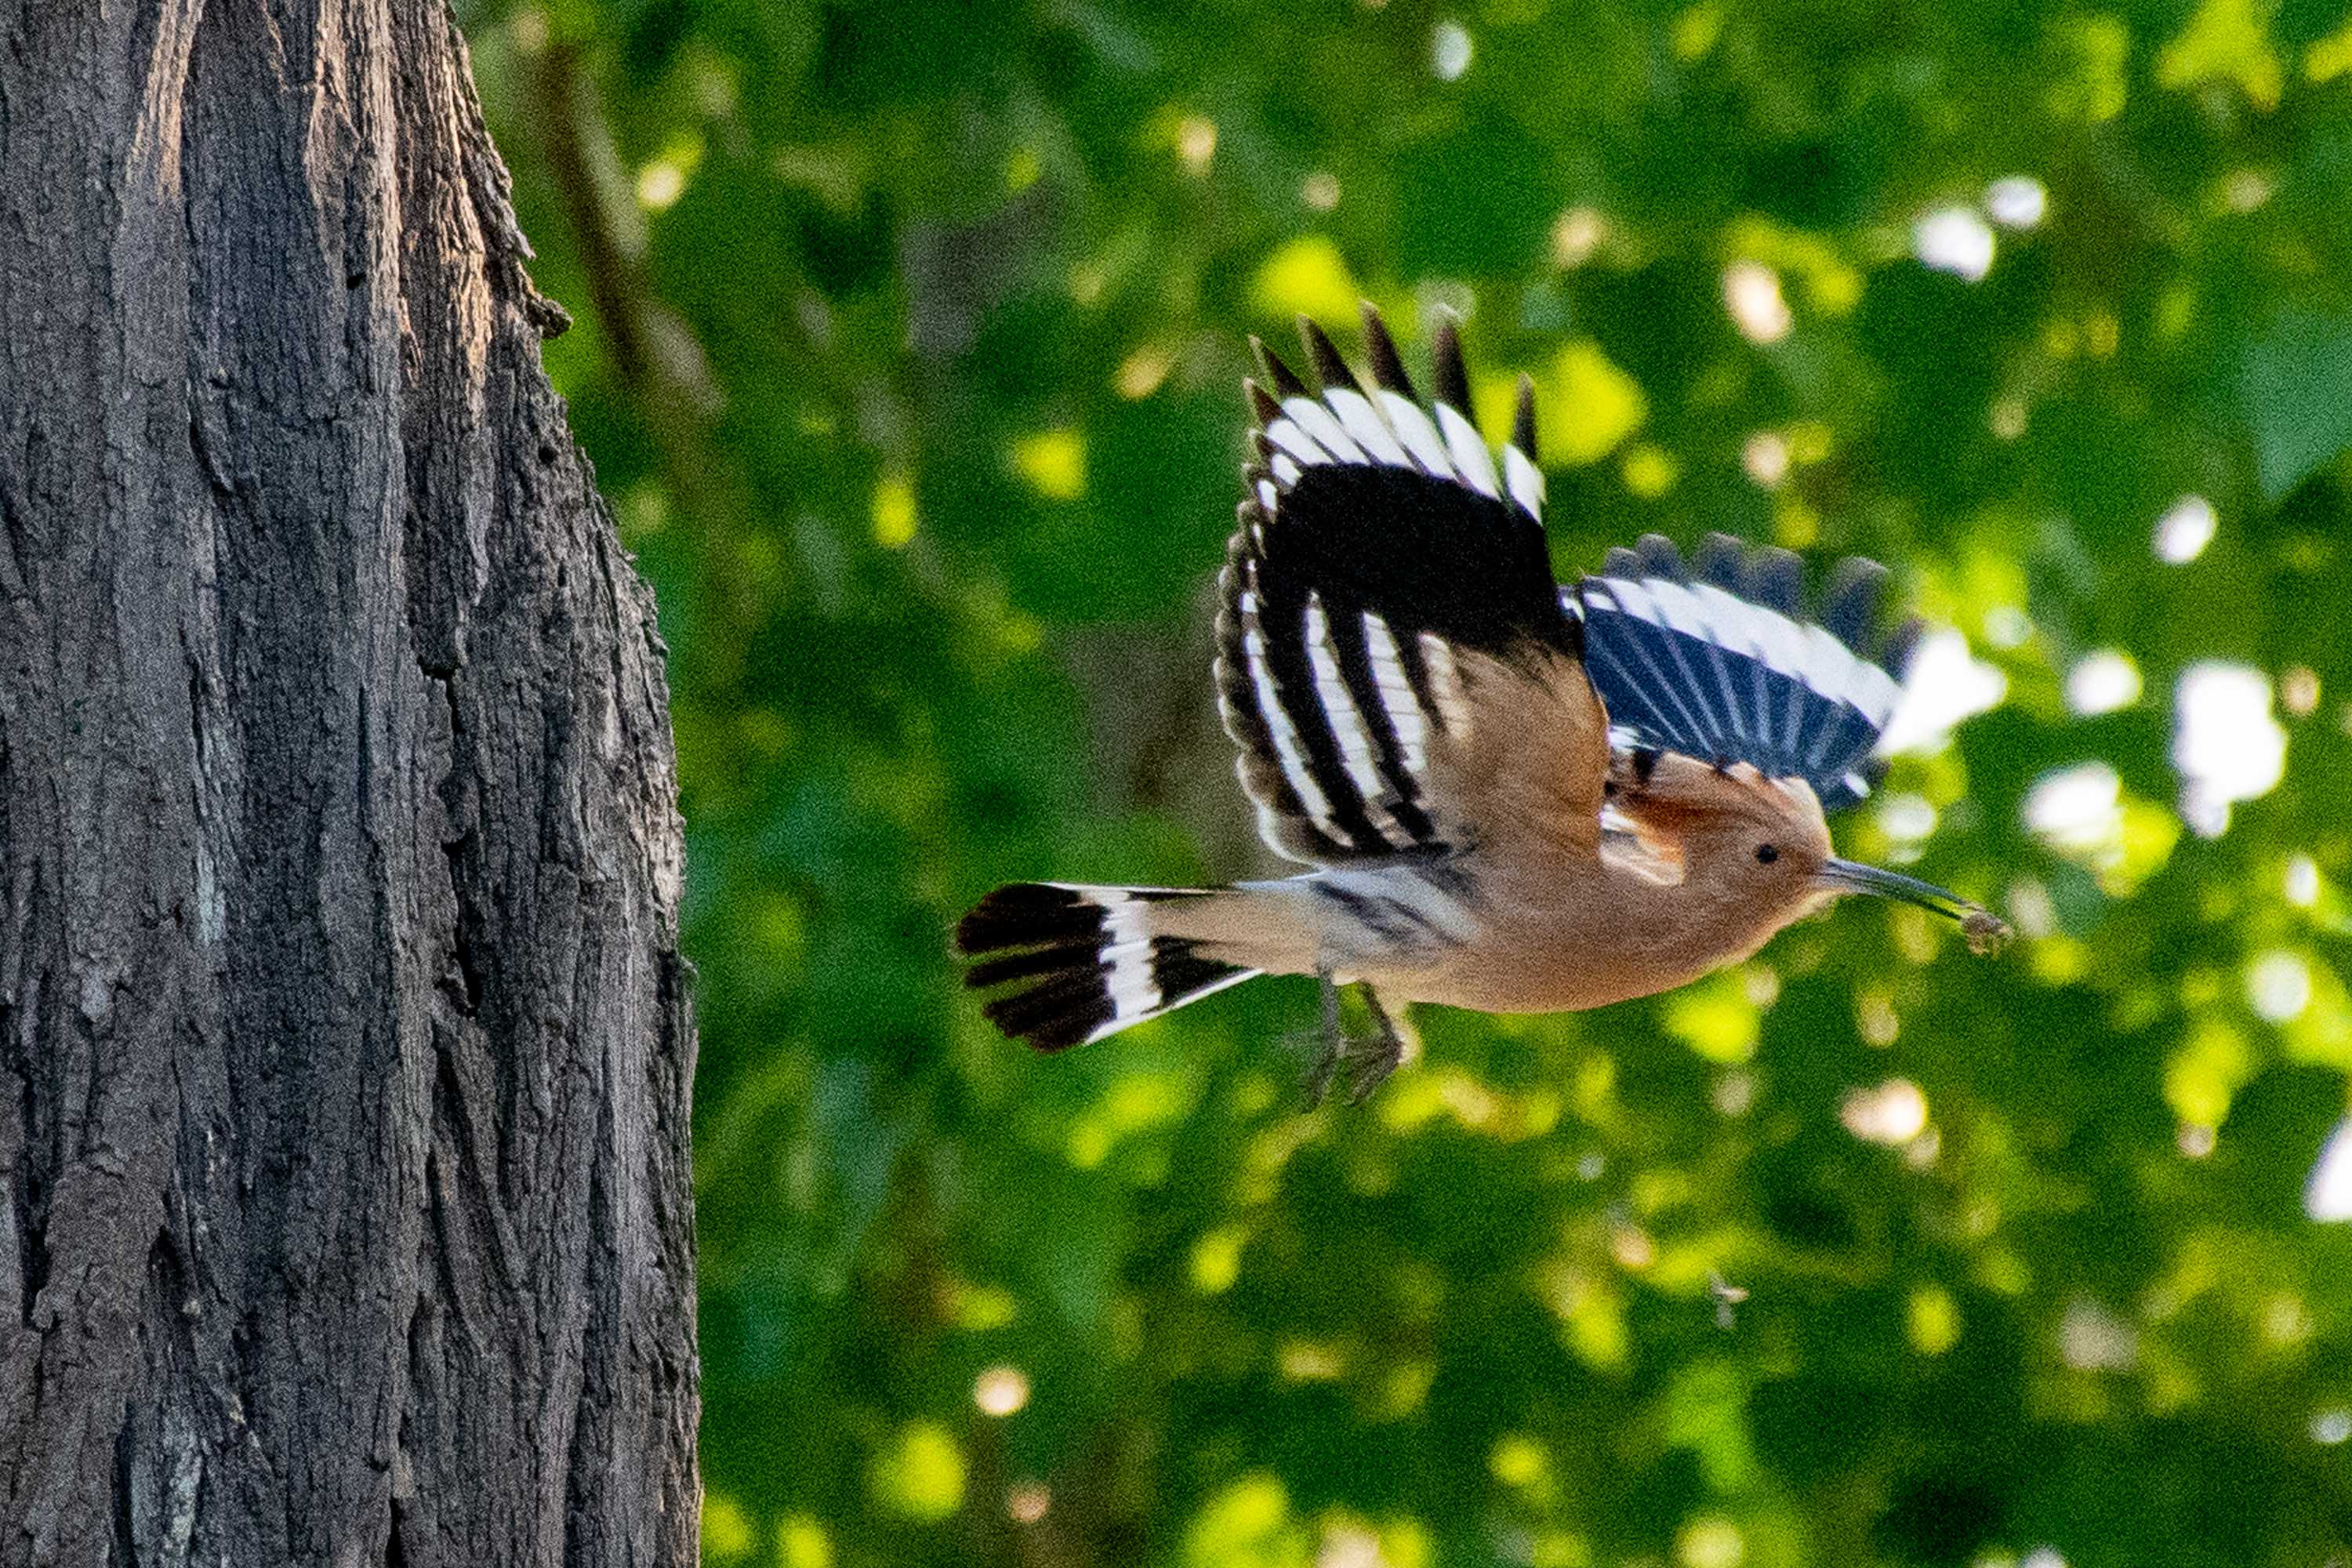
x=907, y=346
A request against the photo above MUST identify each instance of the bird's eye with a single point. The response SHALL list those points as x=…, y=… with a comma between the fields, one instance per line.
x=1766, y=854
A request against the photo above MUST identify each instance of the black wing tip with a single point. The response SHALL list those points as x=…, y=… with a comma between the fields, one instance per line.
x=1446, y=365
x=1523, y=419
x=1776, y=580
x=1285, y=380
x=1659, y=558
x=1720, y=560
x=1850, y=603
x=1902, y=645
x=1330, y=369
x=1380, y=350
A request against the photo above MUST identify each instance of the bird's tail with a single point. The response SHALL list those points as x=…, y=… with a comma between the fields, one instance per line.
x=1077, y=963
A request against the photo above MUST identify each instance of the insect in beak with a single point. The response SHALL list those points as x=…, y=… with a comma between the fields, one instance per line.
x=1986, y=931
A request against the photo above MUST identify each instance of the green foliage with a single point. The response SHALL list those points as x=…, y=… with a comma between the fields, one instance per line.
x=909, y=346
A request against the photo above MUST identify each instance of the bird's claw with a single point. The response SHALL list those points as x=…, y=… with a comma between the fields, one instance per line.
x=1372, y=1060
x=1328, y=1053
x=1367, y=1061
x=1331, y=1046
x=1364, y=1063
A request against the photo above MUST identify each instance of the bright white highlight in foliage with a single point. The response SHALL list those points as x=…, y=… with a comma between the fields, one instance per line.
x=2225, y=742
x=1196, y=142
x=2102, y=681
x=2091, y=1337
x=2248, y=190
x=1751, y=293
x=2302, y=881
x=1001, y=1391
x=1945, y=685
x=2331, y=1426
x=2042, y=1557
x=2278, y=985
x=1577, y=234
x=2299, y=690
x=1907, y=818
x=660, y=184
x=2031, y=908
x=2078, y=811
x=1766, y=458
x=2017, y=201
x=1893, y=1112
x=2006, y=626
x=1350, y=1546
x=1449, y=51
x=1954, y=240
x=2328, y=1197
x=1711, y=1543
x=2183, y=532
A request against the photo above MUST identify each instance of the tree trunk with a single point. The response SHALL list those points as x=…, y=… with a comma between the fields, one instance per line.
x=344, y=1048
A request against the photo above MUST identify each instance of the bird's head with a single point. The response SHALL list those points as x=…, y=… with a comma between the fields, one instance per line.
x=1762, y=842
x=1766, y=843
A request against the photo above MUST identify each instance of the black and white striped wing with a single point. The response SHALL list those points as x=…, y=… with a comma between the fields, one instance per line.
x=1378, y=542
x=1719, y=659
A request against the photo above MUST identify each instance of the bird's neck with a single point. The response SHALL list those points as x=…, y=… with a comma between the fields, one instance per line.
x=1675, y=932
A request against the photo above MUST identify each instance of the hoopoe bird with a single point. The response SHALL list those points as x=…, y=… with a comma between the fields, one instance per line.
x=1514, y=797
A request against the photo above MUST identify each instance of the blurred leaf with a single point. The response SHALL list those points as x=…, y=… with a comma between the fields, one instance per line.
x=1305, y=277
x=2295, y=386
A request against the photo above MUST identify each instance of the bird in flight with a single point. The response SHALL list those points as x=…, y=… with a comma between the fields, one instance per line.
x=1511, y=796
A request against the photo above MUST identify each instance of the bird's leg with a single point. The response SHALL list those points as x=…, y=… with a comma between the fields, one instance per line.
x=1372, y=1060
x=1331, y=1046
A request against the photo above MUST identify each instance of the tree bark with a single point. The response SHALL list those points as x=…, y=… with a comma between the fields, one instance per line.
x=344, y=1044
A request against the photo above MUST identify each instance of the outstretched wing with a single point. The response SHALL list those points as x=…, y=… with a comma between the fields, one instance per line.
x=1717, y=659
x=1388, y=601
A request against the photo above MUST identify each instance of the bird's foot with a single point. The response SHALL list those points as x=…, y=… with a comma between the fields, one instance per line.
x=1328, y=1044
x=1362, y=1062
x=1323, y=1064
x=1365, y=1061
x=1372, y=1060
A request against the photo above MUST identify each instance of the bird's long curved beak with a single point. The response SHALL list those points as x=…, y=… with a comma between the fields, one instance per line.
x=1853, y=877
x=1984, y=929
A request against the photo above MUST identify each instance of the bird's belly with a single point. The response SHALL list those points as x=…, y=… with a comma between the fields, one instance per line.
x=1569, y=971
x=1559, y=991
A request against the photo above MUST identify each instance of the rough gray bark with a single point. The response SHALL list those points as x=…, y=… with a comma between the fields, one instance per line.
x=344, y=1053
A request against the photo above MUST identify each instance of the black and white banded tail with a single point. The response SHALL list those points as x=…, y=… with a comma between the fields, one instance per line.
x=1719, y=659
x=1077, y=963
